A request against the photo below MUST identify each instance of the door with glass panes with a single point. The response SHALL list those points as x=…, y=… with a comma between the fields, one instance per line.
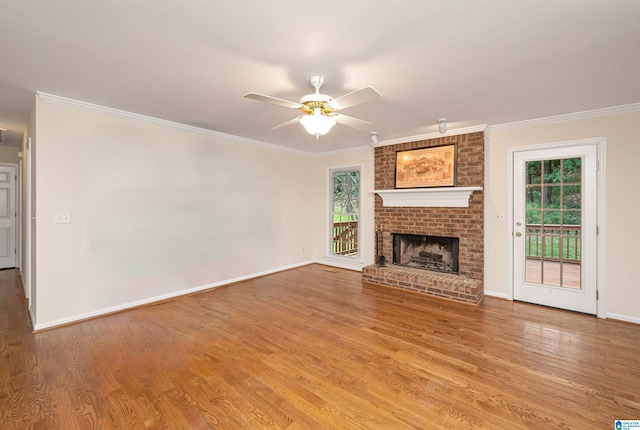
x=554, y=231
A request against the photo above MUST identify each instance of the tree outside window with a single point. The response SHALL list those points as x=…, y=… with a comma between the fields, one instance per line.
x=345, y=212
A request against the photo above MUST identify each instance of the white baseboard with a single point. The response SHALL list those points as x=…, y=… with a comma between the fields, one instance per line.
x=608, y=315
x=150, y=300
x=353, y=266
x=625, y=318
x=356, y=265
x=495, y=294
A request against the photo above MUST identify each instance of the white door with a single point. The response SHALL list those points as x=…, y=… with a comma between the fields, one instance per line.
x=7, y=217
x=554, y=231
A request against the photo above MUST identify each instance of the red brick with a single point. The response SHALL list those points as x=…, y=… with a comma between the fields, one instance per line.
x=465, y=223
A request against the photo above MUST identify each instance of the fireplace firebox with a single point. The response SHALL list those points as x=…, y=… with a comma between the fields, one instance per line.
x=435, y=253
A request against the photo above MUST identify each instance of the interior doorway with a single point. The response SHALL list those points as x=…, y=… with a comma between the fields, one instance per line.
x=8, y=215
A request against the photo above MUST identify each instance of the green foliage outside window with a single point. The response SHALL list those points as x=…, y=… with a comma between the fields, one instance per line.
x=553, y=204
x=346, y=209
x=346, y=196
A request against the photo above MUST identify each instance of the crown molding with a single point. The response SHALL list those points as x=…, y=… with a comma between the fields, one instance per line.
x=90, y=107
x=341, y=151
x=434, y=135
x=595, y=113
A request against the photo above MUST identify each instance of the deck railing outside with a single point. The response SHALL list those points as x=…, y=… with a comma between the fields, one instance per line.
x=345, y=238
x=553, y=242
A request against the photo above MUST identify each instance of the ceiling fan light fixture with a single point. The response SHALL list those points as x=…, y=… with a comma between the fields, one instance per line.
x=320, y=112
x=317, y=124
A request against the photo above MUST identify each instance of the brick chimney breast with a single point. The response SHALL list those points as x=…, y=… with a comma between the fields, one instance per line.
x=465, y=223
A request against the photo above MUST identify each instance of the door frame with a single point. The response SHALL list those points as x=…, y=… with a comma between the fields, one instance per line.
x=329, y=239
x=600, y=143
x=29, y=228
x=16, y=207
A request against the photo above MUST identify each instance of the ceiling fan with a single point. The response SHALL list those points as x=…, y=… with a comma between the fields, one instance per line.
x=320, y=112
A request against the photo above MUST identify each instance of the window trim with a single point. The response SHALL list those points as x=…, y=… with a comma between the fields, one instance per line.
x=329, y=213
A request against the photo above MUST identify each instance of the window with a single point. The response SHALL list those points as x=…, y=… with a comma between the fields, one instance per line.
x=345, y=212
x=553, y=242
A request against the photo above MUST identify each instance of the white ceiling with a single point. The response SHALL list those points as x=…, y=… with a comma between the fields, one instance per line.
x=472, y=61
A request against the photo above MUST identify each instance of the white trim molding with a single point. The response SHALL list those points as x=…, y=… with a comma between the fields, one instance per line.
x=456, y=197
x=624, y=318
x=595, y=113
x=356, y=266
x=434, y=135
x=90, y=107
x=497, y=295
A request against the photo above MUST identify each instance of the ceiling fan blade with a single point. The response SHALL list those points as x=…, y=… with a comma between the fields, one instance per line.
x=350, y=121
x=286, y=123
x=355, y=97
x=273, y=100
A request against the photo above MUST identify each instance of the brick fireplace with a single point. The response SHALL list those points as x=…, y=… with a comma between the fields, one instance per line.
x=435, y=253
x=464, y=223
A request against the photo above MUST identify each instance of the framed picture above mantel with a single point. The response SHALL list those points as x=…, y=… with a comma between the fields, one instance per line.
x=426, y=167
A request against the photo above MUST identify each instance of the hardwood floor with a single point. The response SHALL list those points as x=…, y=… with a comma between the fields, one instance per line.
x=314, y=348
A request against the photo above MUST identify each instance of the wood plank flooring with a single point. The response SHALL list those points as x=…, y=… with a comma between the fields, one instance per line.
x=314, y=348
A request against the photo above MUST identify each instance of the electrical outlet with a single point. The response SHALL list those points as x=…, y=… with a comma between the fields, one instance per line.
x=500, y=216
x=62, y=218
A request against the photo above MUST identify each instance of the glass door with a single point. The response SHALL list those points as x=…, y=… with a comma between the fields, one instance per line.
x=555, y=227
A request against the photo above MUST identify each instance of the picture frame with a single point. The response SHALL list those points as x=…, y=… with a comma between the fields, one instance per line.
x=427, y=167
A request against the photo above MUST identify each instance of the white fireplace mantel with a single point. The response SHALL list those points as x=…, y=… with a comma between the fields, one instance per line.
x=456, y=197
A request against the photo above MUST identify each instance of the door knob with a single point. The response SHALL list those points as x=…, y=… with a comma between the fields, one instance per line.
x=518, y=234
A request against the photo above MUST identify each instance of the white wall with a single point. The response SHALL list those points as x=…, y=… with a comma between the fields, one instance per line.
x=9, y=154
x=622, y=134
x=157, y=210
x=363, y=157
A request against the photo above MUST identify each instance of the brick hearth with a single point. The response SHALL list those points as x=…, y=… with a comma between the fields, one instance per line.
x=425, y=281
x=465, y=223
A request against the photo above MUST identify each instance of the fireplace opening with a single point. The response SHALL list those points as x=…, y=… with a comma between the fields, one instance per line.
x=435, y=253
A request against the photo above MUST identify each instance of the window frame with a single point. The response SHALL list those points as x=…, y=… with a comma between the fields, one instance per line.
x=330, y=212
